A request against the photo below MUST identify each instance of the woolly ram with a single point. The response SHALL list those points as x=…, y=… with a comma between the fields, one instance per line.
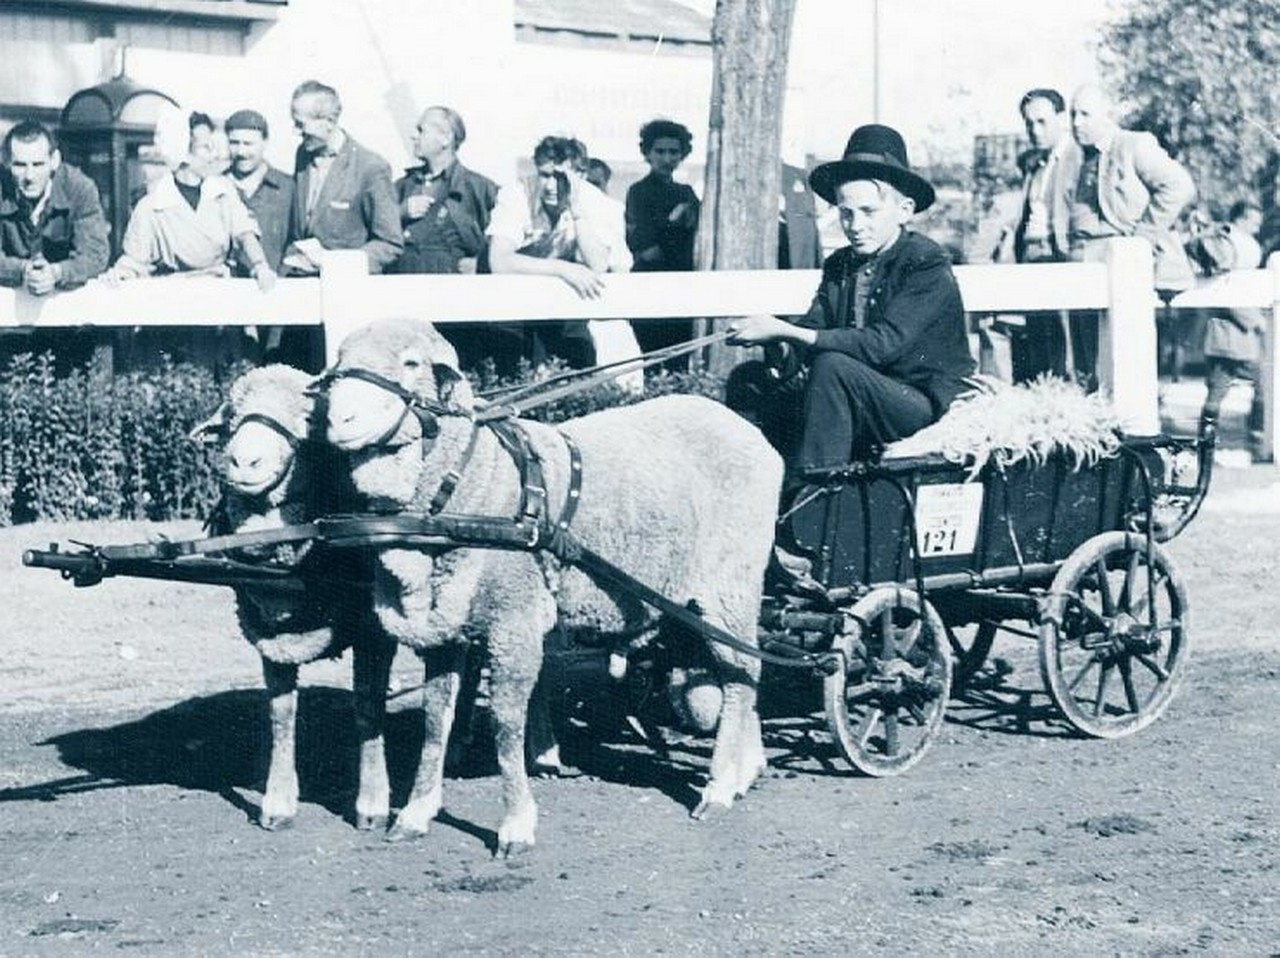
x=275, y=472
x=679, y=492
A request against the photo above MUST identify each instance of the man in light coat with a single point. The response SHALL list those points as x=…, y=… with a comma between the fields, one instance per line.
x=1113, y=182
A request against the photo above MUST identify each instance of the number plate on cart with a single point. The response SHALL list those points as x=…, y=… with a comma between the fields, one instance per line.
x=947, y=517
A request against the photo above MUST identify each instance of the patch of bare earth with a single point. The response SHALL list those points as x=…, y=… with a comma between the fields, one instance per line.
x=132, y=728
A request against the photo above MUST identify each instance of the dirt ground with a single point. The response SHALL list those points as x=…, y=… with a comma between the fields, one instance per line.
x=132, y=729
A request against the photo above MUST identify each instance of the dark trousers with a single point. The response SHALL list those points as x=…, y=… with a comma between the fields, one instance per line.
x=1039, y=347
x=654, y=334
x=1220, y=373
x=1084, y=347
x=850, y=407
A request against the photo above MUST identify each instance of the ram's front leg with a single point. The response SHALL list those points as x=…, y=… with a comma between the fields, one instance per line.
x=372, y=653
x=444, y=669
x=280, y=798
x=511, y=685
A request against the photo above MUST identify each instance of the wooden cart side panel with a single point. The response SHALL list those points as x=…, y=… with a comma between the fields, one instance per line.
x=1032, y=513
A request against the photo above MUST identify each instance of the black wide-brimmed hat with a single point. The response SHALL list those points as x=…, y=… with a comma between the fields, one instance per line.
x=874, y=152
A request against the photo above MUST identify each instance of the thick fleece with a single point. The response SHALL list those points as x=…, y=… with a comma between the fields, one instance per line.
x=269, y=482
x=679, y=492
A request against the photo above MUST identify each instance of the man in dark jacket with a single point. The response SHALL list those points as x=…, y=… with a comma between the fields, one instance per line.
x=53, y=234
x=343, y=195
x=445, y=210
x=444, y=207
x=884, y=339
x=267, y=192
x=342, y=200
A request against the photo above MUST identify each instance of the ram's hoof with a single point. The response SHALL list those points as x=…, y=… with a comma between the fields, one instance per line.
x=369, y=823
x=513, y=849
x=554, y=770
x=403, y=833
x=706, y=811
x=275, y=823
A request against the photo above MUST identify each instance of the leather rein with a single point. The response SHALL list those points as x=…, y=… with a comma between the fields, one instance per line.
x=532, y=522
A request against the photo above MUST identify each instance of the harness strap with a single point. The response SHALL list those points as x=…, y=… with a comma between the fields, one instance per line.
x=173, y=549
x=557, y=541
x=451, y=479
x=515, y=400
x=532, y=507
x=273, y=424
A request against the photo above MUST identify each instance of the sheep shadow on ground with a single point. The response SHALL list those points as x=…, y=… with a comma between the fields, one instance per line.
x=990, y=704
x=220, y=744
x=654, y=753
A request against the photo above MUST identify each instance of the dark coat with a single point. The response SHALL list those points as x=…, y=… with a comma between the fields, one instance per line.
x=915, y=326
x=272, y=205
x=356, y=208
x=649, y=203
x=72, y=230
x=468, y=200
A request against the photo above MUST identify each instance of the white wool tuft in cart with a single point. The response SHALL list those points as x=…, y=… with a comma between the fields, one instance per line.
x=1006, y=424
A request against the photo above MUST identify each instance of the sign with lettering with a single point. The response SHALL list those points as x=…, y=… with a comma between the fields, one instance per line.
x=947, y=517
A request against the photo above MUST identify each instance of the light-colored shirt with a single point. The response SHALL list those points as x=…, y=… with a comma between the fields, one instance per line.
x=320, y=164
x=165, y=233
x=248, y=185
x=1037, y=228
x=519, y=216
x=37, y=210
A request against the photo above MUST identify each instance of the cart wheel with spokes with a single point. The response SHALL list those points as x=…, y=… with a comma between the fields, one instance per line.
x=1113, y=636
x=886, y=705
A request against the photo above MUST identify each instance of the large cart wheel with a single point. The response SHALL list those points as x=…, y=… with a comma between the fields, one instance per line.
x=1113, y=637
x=886, y=705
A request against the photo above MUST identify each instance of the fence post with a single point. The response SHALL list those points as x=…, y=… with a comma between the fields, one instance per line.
x=344, y=296
x=1268, y=369
x=1127, y=337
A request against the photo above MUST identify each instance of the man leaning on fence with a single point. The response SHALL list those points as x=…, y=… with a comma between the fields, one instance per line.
x=343, y=195
x=555, y=223
x=53, y=234
x=1040, y=346
x=1113, y=182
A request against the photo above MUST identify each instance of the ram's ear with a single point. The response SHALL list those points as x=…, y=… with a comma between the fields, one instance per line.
x=454, y=388
x=214, y=429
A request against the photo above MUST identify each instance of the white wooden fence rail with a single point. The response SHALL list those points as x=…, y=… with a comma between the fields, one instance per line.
x=345, y=296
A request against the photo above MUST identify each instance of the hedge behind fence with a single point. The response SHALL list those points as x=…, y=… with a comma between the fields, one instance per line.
x=88, y=446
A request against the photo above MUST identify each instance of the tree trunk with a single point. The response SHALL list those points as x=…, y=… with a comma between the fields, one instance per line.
x=739, y=224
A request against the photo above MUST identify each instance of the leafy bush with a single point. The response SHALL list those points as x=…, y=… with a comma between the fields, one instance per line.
x=90, y=446
x=86, y=445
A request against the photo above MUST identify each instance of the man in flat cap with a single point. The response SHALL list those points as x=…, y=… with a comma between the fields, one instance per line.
x=884, y=340
x=267, y=192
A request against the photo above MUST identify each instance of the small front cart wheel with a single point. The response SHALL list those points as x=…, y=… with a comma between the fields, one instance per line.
x=886, y=705
x=1113, y=635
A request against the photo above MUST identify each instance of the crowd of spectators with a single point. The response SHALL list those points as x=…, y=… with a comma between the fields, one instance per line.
x=214, y=205
x=1086, y=180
